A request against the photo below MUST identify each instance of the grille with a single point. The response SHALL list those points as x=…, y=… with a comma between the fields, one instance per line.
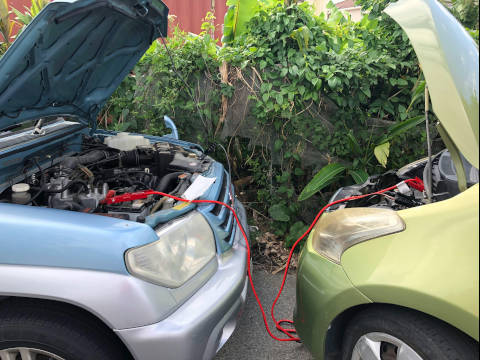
x=224, y=217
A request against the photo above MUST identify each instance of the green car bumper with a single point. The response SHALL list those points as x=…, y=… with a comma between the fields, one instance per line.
x=323, y=292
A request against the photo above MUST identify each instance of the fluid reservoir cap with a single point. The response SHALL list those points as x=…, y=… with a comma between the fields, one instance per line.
x=19, y=188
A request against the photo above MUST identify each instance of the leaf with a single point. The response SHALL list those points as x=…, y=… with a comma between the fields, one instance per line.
x=317, y=82
x=418, y=92
x=302, y=35
x=237, y=16
x=299, y=172
x=279, y=212
x=278, y=145
x=296, y=230
x=366, y=91
x=382, y=153
x=333, y=82
x=6, y=25
x=358, y=175
x=404, y=126
x=324, y=177
x=353, y=143
x=301, y=89
x=279, y=98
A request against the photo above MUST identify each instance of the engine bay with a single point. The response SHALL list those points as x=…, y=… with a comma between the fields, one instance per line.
x=121, y=164
x=444, y=185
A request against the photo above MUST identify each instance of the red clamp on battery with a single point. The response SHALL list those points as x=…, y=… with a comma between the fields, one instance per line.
x=112, y=199
x=416, y=183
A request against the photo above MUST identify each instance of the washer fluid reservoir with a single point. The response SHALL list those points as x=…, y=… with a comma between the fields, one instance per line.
x=125, y=142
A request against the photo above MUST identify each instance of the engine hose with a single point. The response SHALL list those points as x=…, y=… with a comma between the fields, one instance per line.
x=167, y=179
x=93, y=156
x=66, y=205
x=288, y=332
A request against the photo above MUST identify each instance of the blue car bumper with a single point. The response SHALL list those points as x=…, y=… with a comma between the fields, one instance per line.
x=202, y=325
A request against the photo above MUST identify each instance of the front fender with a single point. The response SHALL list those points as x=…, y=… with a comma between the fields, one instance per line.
x=120, y=301
x=79, y=259
x=431, y=267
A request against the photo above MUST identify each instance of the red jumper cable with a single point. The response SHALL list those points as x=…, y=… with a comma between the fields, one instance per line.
x=112, y=199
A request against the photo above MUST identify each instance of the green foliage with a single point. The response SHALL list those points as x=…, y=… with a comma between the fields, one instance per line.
x=297, y=230
x=157, y=87
x=26, y=16
x=237, y=16
x=279, y=212
x=6, y=26
x=466, y=11
x=382, y=152
x=3, y=48
x=324, y=177
x=323, y=88
x=22, y=18
x=366, y=69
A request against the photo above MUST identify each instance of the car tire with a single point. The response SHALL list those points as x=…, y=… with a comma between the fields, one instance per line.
x=390, y=333
x=53, y=331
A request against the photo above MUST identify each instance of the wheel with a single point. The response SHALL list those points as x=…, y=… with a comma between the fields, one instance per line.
x=50, y=331
x=387, y=333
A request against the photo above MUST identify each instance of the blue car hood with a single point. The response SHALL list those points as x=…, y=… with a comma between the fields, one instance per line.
x=73, y=56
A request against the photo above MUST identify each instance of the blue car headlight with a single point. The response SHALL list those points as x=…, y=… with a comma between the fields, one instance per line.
x=184, y=247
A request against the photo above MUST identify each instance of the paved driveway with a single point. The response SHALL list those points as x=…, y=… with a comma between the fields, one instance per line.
x=250, y=340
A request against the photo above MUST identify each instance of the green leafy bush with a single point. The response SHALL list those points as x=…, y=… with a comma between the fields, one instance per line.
x=157, y=88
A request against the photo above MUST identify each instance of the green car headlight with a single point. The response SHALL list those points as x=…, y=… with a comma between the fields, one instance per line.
x=341, y=229
x=184, y=247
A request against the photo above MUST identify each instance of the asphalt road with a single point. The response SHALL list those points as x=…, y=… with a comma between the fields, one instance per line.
x=250, y=340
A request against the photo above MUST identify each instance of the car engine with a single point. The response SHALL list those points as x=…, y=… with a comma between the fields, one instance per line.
x=444, y=185
x=81, y=181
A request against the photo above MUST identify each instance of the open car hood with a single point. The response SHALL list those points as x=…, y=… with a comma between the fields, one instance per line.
x=73, y=56
x=449, y=59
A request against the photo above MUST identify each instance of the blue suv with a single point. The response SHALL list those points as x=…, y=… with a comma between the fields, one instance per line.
x=89, y=267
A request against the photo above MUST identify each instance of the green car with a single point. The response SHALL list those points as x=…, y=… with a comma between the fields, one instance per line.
x=396, y=276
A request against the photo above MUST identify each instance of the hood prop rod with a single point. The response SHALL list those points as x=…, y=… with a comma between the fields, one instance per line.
x=428, y=187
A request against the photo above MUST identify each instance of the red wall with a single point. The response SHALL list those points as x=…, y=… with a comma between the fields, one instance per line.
x=189, y=13
x=17, y=4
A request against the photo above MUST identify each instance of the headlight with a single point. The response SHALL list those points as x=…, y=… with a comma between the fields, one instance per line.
x=339, y=230
x=182, y=250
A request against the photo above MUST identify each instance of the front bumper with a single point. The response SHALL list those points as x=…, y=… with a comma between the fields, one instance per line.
x=323, y=292
x=202, y=325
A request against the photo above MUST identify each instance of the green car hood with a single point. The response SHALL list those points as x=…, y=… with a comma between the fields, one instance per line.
x=73, y=56
x=449, y=59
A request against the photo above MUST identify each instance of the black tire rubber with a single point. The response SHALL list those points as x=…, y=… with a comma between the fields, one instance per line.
x=432, y=339
x=55, y=328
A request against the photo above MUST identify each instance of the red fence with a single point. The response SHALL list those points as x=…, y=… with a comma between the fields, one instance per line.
x=188, y=13
x=17, y=4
